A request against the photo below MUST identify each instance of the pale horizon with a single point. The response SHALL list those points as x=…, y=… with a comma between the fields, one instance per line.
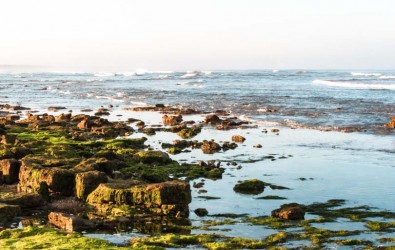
x=197, y=35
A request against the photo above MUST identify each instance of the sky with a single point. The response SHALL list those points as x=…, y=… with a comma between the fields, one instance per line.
x=203, y=35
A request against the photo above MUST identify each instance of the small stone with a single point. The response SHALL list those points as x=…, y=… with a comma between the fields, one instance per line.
x=289, y=213
x=258, y=146
x=238, y=138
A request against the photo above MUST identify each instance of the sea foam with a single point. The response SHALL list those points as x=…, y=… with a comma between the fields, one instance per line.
x=355, y=85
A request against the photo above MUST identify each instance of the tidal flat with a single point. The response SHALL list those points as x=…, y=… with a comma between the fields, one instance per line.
x=125, y=179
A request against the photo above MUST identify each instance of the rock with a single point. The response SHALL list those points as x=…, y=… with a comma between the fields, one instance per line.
x=238, y=138
x=102, y=111
x=86, y=182
x=166, y=198
x=24, y=200
x=210, y=147
x=253, y=186
x=187, y=133
x=152, y=157
x=171, y=120
x=10, y=169
x=258, y=146
x=289, y=213
x=391, y=123
x=84, y=124
x=274, y=130
x=212, y=119
x=201, y=212
x=68, y=222
x=63, y=118
x=227, y=146
x=8, y=212
x=32, y=175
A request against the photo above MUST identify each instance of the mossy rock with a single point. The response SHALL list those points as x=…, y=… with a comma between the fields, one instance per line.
x=152, y=157
x=174, y=151
x=187, y=133
x=253, y=186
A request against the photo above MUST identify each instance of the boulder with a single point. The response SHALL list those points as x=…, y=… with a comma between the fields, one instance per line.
x=86, y=182
x=238, y=138
x=171, y=120
x=201, y=212
x=68, y=222
x=10, y=169
x=8, y=212
x=289, y=213
x=210, y=147
x=253, y=186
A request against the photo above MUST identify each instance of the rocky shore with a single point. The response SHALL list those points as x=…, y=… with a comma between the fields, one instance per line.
x=85, y=173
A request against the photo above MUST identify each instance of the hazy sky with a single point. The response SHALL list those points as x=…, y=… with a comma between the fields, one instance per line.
x=204, y=34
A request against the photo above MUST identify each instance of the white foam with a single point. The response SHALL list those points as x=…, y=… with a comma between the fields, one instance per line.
x=260, y=122
x=207, y=72
x=128, y=73
x=387, y=77
x=189, y=75
x=104, y=74
x=355, y=85
x=364, y=74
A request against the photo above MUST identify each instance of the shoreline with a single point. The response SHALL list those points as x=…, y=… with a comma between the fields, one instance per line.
x=276, y=154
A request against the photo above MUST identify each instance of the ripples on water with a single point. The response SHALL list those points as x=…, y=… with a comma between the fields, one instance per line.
x=327, y=100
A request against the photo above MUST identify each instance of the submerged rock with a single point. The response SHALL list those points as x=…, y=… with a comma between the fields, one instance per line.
x=253, y=186
x=289, y=213
x=201, y=212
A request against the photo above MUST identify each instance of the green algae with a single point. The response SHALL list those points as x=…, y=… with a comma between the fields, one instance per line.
x=49, y=238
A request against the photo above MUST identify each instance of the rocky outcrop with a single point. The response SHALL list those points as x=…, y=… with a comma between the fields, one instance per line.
x=23, y=200
x=289, y=213
x=166, y=198
x=68, y=222
x=212, y=119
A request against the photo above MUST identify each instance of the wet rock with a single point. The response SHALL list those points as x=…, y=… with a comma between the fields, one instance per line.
x=8, y=212
x=8, y=139
x=24, y=200
x=258, y=146
x=84, y=124
x=181, y=144
x=140, y=124
x=63, y=118
x=253, y=186
x=289, y=213
x=238, y=138
x=274, y=130
x=102, y=111
x=10, y=170
x=133, y=120
x=68, y=222
x=86, y=182
x=174, y=151
x=210, y=147
x=149, y=131
x=171, y=120
x=201, y=212
x=391, y=123
x=228, y=145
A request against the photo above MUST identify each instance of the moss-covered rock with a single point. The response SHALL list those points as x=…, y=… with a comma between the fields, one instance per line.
x=152, y=157
x=86, y=182
x=253, y=186
x=187, y=133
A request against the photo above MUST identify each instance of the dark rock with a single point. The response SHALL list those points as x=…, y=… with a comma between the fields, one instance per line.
x=201, y=212
x=212, y=119
x=8, y=212
x=24, y=200
x=55, y=108
x=253, y=186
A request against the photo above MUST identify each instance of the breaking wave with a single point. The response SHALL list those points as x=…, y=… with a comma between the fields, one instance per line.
x=354, y=85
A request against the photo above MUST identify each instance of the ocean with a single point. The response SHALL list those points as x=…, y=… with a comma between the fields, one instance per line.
x=314, y=99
